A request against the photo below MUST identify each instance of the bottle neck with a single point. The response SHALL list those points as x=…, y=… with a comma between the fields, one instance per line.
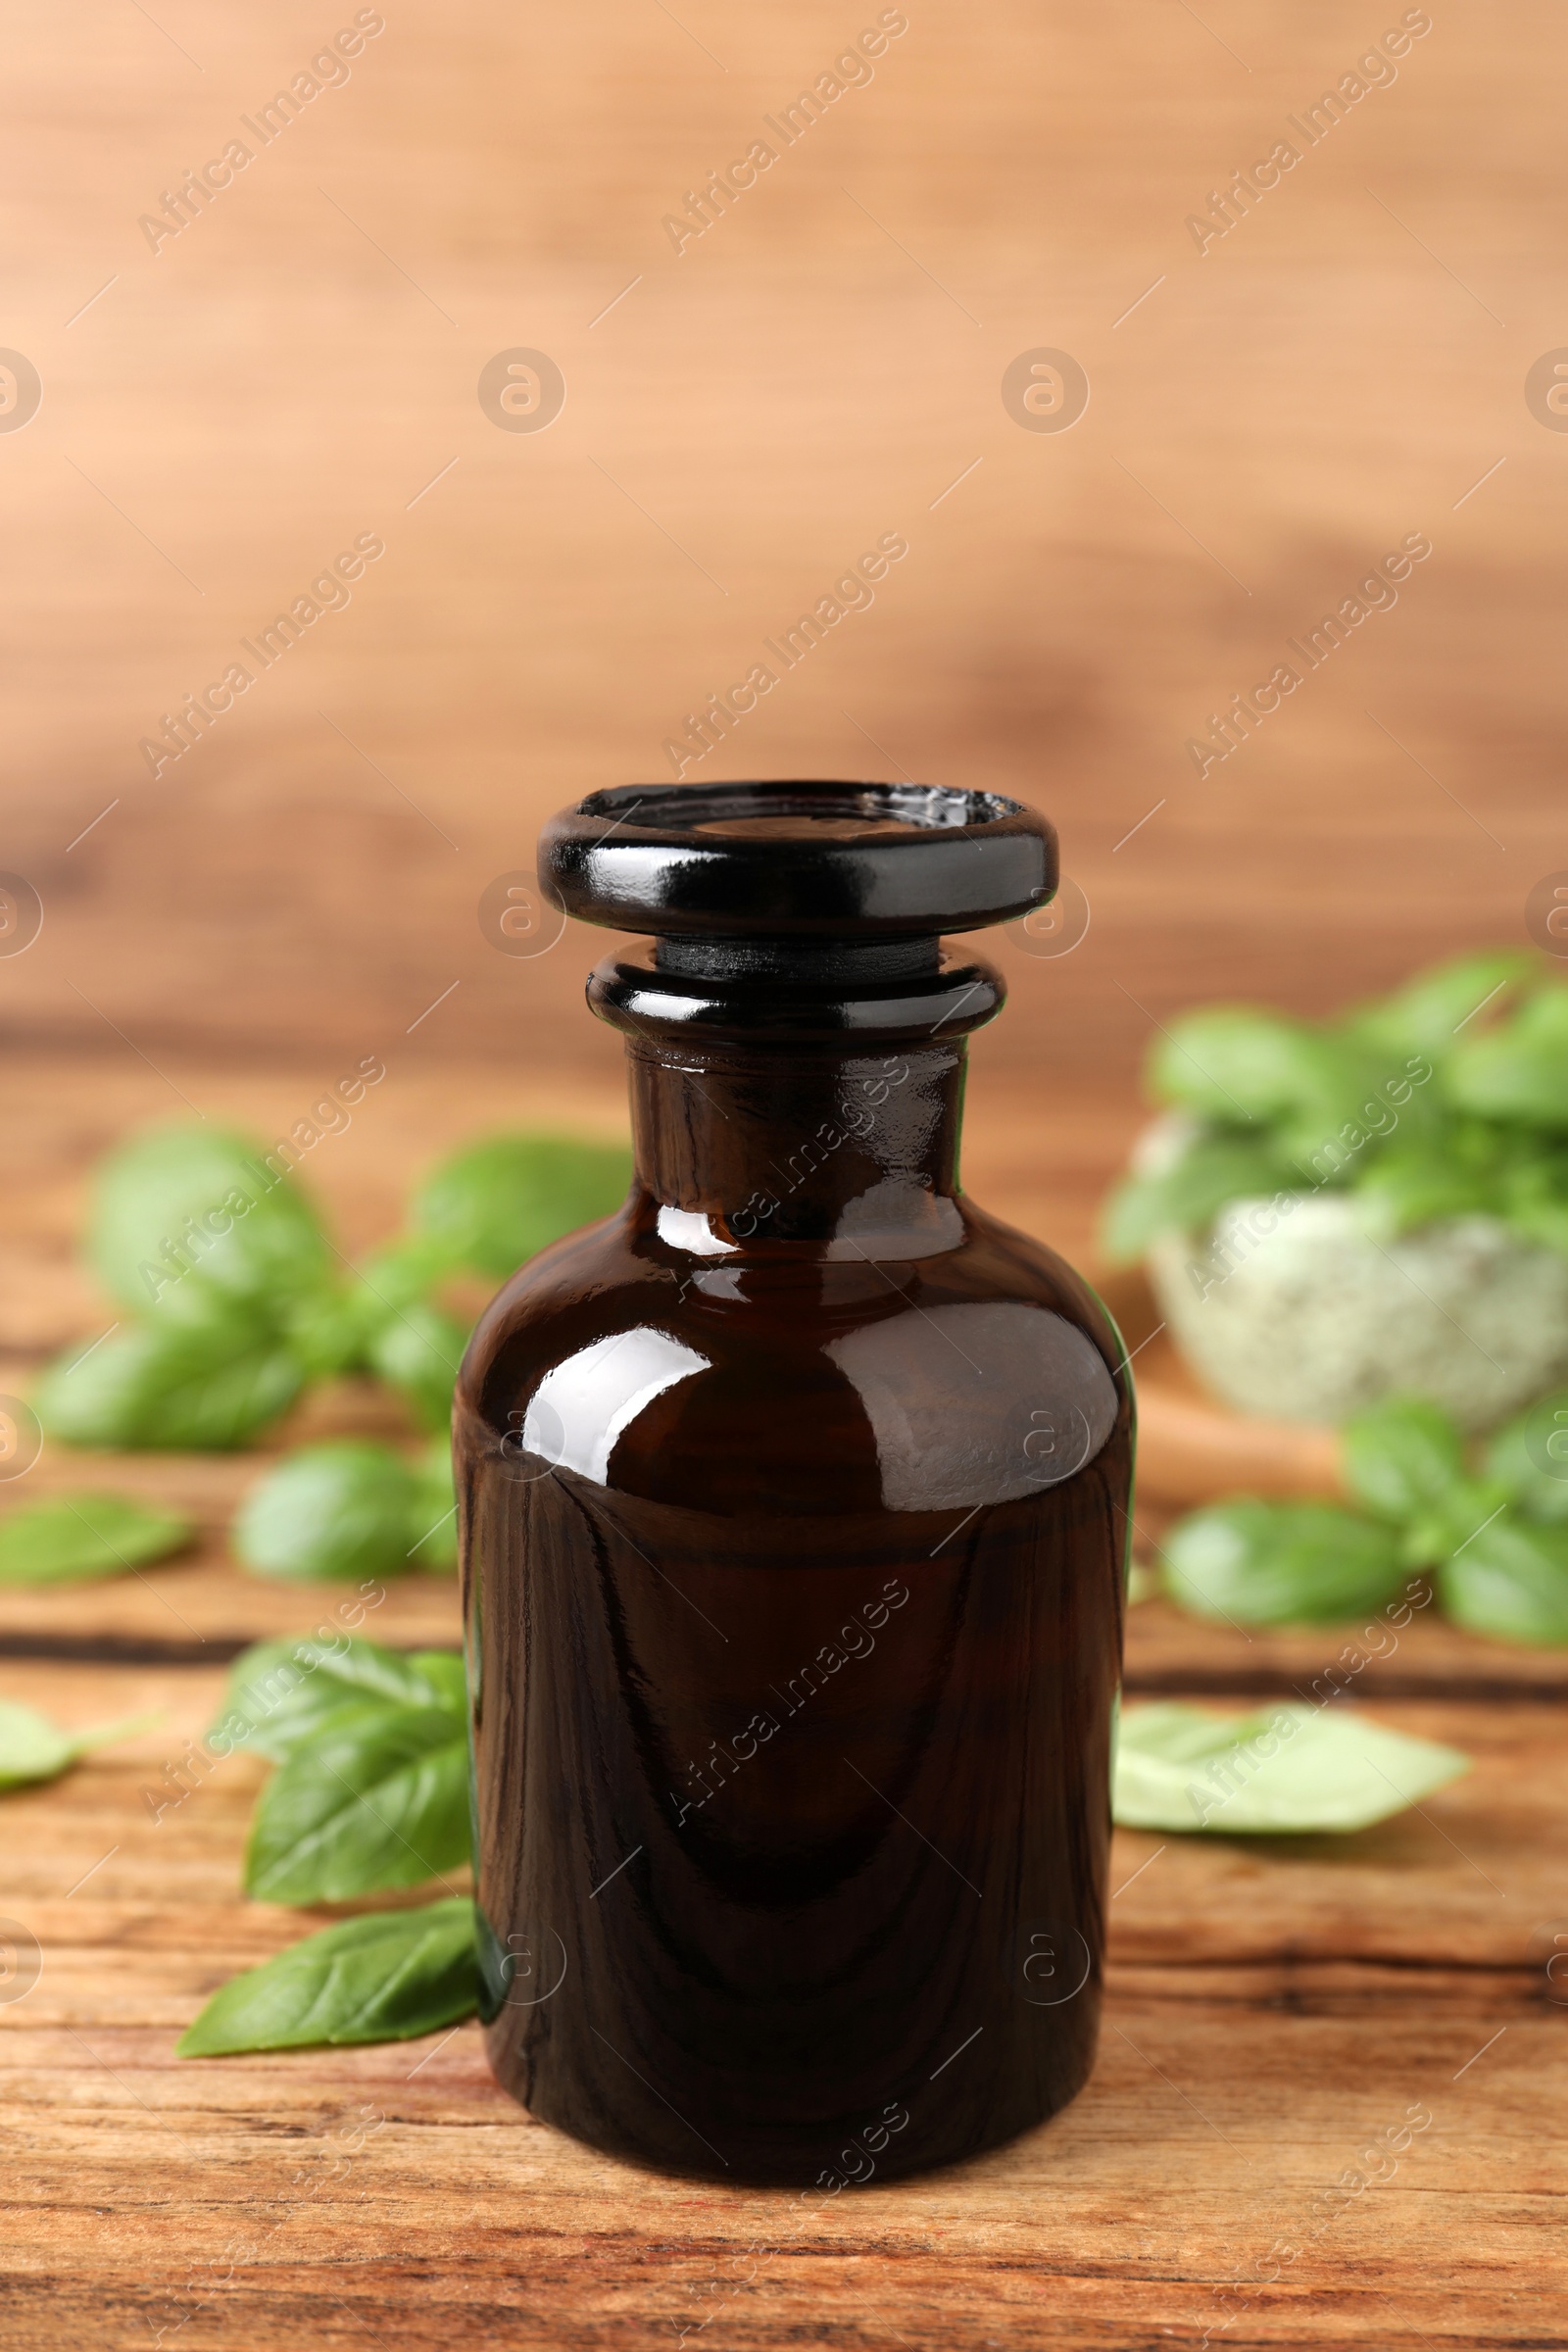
x=857, y=1154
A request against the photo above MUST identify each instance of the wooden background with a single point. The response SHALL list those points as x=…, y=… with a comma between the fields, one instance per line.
x=302, y=361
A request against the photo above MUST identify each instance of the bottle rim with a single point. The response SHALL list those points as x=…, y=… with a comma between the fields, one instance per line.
x=800, y=858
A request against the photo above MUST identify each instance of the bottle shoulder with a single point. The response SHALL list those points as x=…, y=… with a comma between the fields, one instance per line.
x=618, y=1274
x=800, y=1379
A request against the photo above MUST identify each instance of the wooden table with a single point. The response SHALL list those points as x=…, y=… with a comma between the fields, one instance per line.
x=1273, y=2008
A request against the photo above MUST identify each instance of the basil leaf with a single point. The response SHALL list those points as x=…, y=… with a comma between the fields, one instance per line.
x=196, y=1387
x=345, y=1509
x=418, y=1350
x=1533, y=1192
x=405, y=1271
x=1542, y=1221
x=1347, y=1114
x=379, y=1797
x=1429, y=1104
x=1232, y=1063
x=437, y=1509
x=497, y=1201
x=1528, y=1457
x=32, y=1748
x=280, y=1692
x=1401, y=1457
x=1279, y=1563
x=386, y=1978
x=1447, y=1524
x=1415, y=1183
x=198, y=1221
x=1511, y=1579
x=1286, y=1769
x=329, y=1328
x=1426, y=1016
x=73, y=1536
x=1520, y=1070
x=1187, y=1196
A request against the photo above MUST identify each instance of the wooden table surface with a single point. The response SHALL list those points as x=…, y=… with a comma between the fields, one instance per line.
x=1273, y=2008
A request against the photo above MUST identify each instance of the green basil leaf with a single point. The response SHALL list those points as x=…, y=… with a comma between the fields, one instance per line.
x=1529, y=1458
x=496, y=1203
x=405, y=1271
x=329, y=1330
x=1279, y=1563
x=280, y=1692
x=1187, y=1196
x=437, y=1510
x=72, y=1537
x=1234, y=1064
x=344, y=1509
x=1347, y=1116
x=1511, y=1579
x=1533, y=1192
x=1401, y=1457
x=386, y=1978
x=418, y=1350
x=1543, y=1221
x=1447, y=1524
x=1286, y=1769
x=196, y=1387
x=32, y=1748
x=379, y=1797
x=1432, y=1011
x=1520, y=1070
x=1414, y=1182
x=444, y=1671
x=199, y=1221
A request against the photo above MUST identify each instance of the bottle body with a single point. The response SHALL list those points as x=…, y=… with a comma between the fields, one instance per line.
x=794, y=1518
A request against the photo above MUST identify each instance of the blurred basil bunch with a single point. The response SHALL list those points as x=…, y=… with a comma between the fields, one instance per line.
x=1493, y=1538
x=1447, y=1097
x=232, y=1299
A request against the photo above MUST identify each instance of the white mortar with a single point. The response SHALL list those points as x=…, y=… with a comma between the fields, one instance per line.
x=1326, y=1312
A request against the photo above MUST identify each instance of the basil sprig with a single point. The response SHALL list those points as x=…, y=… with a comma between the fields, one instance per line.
x=1497, y=1544
x=200, y=1231
x=371, y=1787
x=1447, y=1098
x=370, y=1793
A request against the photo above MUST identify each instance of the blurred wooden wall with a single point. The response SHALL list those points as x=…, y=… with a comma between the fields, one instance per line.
x=300, y=363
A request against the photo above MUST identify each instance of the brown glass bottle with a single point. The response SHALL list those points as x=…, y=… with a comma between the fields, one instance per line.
x=793, y=1504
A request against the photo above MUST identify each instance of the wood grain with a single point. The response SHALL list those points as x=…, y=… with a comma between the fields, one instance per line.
x=1270, y=2012
x=300, y=365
